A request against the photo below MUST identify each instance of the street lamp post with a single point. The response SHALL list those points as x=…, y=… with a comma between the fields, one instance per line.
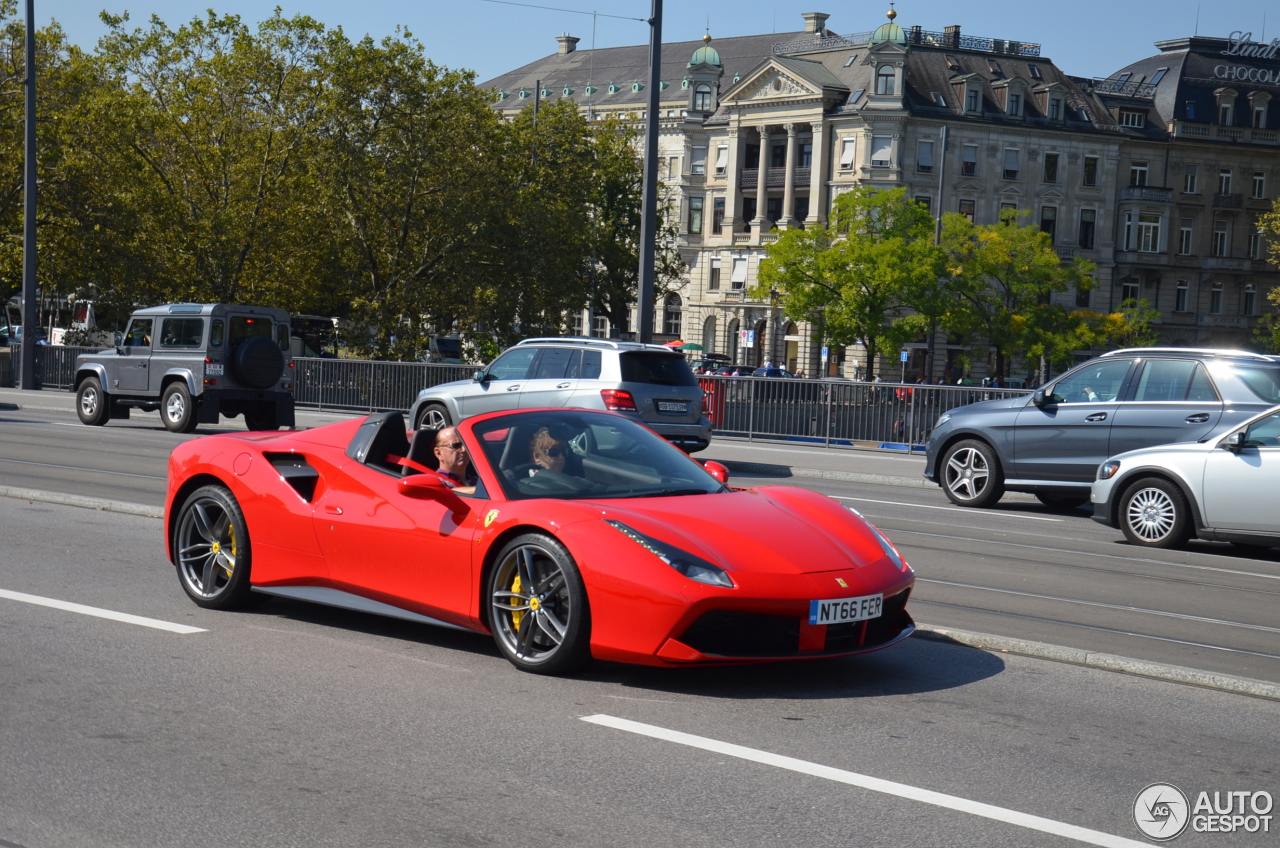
x=649, y=202
x=28, y=375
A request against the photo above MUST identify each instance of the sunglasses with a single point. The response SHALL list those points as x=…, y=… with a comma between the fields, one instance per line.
x=451, y=445
x=553, y=453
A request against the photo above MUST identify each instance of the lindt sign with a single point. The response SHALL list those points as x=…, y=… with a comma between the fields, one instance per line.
x=1242, y=44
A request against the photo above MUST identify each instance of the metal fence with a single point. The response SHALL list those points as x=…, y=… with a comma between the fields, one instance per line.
x=833, y=413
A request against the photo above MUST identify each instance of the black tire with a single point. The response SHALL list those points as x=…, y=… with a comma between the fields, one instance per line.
x=177, y=409
x=971, y=474
x=258, y=363
x=262, y=419
x=1154, y=514
x=560, y=643
x=433, y=416
x=1062, y=501
x=92, y=404
x=209, y=524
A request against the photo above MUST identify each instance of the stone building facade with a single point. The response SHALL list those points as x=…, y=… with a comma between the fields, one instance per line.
x=759, y=134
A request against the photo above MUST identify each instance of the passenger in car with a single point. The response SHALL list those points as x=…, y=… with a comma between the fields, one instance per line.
x=548, y=451
x=455, y=463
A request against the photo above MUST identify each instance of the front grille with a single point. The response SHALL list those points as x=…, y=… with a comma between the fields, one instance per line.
x=892, y=621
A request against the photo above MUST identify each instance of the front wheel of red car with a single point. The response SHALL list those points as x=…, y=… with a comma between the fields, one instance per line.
x=538, y=606
x=211, y=550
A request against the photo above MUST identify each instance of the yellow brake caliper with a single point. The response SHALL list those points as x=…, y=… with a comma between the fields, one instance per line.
x=231, y=530
x=516, y=616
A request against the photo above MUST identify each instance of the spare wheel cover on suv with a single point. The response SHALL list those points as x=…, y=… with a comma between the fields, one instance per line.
x=258, y=362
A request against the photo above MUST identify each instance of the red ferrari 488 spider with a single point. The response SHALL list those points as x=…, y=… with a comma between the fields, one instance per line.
x=585, y=535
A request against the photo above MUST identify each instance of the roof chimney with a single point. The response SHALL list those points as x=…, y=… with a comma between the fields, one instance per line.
x=815, y=22
x=951, y=36
x=568, y=44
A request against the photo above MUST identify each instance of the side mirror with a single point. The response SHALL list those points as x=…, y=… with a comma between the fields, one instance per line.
x=717, y=471
x=480, y=376
x=432, y=488
x=1039, y=398
x=1233, y=443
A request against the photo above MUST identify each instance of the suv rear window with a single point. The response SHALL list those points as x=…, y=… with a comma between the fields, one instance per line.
x=1263, y=382
x=250, y=328
x=661, y=369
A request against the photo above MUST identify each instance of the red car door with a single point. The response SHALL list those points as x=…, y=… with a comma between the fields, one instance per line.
x=390, y=547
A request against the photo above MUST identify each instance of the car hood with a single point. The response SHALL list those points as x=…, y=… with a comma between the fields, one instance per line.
x=1171, y=449
x=771, y=530
x=985, y=406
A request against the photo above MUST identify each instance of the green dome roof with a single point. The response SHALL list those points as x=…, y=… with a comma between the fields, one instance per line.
x=889, y=32
x=706, y=54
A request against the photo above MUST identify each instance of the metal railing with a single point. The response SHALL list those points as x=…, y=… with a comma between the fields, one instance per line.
x=831, y=413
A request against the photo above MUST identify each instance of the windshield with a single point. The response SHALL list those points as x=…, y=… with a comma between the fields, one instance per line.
x=1263, y=381
x=586, y=456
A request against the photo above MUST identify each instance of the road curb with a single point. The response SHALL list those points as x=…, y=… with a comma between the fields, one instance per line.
x=762, y=469
x=102, y=504
x=1107, y=662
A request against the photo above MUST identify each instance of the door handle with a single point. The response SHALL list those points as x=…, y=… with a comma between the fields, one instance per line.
x=515, y=388
x=563, y=385
x=335, y=510
x=1198, y=418
x=1097, y=416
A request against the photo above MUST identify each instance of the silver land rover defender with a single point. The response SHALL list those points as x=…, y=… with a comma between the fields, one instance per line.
x=193, y=362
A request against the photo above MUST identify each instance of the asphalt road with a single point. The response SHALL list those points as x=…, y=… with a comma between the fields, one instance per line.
x=297, y=725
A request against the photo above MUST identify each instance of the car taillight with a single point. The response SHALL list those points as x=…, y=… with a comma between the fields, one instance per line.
x=706, y=407
x=616, y=400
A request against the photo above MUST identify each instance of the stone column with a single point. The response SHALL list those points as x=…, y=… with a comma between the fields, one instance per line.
x=818, y=178
x=789, y=180
x=761, y=223
x=733, y=173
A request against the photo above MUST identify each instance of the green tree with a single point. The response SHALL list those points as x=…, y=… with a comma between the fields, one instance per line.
x=857, y=271
x=1004, y=277
x=1268, y=330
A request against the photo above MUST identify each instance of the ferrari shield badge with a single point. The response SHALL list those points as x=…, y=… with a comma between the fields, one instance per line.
x=839, y=580
x=491, y=517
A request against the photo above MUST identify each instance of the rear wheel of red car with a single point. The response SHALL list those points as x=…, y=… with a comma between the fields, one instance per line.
x=177, y=409
x=1153, y=513
x=971, y=474
x=211, y=550
x=538, y=606
x=92, y=402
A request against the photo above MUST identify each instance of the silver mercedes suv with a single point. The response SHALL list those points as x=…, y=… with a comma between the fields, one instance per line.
x=649, y=383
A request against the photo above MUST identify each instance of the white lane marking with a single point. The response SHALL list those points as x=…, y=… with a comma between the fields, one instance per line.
x=944, y=508
x=81, y=469
x=875, y=784
x=67, y=606
x=1121, y=607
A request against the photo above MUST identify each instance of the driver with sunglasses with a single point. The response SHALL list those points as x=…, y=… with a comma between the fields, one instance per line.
x=455, y=464
x=548, y=451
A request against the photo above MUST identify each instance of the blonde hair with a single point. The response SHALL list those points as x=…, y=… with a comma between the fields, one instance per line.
x=543, y=440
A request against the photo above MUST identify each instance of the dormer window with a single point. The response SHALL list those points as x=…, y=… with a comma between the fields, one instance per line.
x=939, y=100
x=850, y=60
x=1258, y=103
x=884, y=79
x=1131, y=118
x=995, y=67
x=1159, y=75
x=1226, y=100
x=1122, y=79
x=1015, y=104
x=953, y=63
x=1034, y=70
x=702, y=98
x=1055, y=108
x=972, y=100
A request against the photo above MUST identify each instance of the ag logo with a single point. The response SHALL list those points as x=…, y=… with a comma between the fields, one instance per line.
x=1161, y=811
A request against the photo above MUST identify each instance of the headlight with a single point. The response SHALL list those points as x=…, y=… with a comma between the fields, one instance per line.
x=889, y=549
x=1107, y=470
x=942, y=419
x=694, y=567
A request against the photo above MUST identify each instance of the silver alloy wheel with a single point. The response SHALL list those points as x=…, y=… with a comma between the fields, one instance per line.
x=1151, y=514
x=207, y=548
x=176, y=407
x=532, y=606
x=433, y=418
x=967, y=473
x=89, y=400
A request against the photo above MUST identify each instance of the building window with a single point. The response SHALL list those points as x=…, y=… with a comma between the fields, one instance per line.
x=713, y=282
x=1088, y=223
x=1255, y=245
x=1015, y=104
x=1185, y=236
x=1089, y=176
x=884, y=80
x=600, y=327
x=1049, y=221
x=1129, y=291
x=778, y=156
x=1010, y=163
x=717, y=215
x=773, y=210
x=1224, y=181
x=1129, y=118
x=1051, y=167
x=671, y=315
x=847, y=148
x=748, y=213
x=1148, y=233
x=1225, y=114
x=1138, y=172
x=1082, y=297
x=1180, y=296
x=1220, y=241
x=699, y=163
x=1250, y=304
x=1008, y=211
x=926, y=201
x=971, y=102
x=1055, y=114
x=939, y=100
x=924, y=156
x=702, y=98
x=881, y=151
x=1189, y=179
x=695, y=216
x=1159, y=75
x=965, y=208
x=806, y=155
x=709, y=335
x=739, y=279
x=1259, y=185
x=576, y=325
x=801, y=211
x=969, y=160
x=1215, y=299
x=1259, y=117
x=722, y=159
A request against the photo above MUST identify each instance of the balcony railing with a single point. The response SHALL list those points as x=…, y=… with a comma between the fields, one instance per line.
x=1228, y=201
x=1183, y=129
x=1151, y=193
x=1124, y=89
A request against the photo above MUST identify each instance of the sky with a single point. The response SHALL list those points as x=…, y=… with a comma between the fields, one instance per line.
x=1085, y=38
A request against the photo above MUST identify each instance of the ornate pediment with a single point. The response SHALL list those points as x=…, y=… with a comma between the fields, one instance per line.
x=1052, y=194
x=779, y=85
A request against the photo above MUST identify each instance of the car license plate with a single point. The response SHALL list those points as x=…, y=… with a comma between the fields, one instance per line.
x=842, y=610
x=213, y=369
x=673, y=406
